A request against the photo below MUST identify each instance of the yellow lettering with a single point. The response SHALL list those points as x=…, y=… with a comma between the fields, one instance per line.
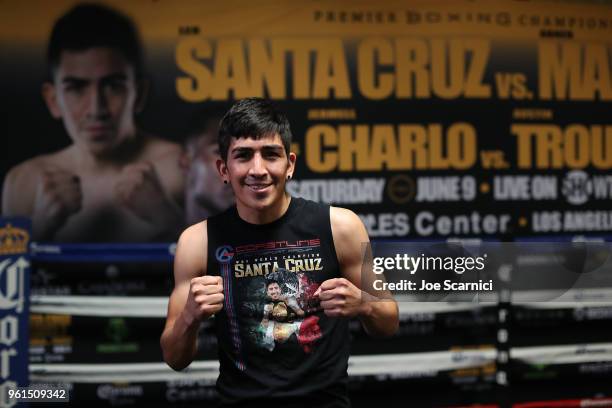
x=411, y=65
x=371, y=84
x=194, y=87
x=239, y=270
x=330, y=72
x=354, y=145
x=575, y=146
x=454, y=64
x=413, y=146
x=318, y=138
x=267, y=69
x=596, y=76
x=384, y=148
x=393, y=147
x=230, y=71
x=474, y=86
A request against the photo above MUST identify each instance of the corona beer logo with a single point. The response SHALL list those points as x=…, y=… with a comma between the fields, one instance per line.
x=13, y=240
x=12, y=288
x=224, y=253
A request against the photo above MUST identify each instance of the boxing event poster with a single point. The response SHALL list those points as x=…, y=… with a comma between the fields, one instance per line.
x=430, y=119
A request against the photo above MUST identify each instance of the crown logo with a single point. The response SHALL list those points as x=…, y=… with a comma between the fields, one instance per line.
x=13, y=240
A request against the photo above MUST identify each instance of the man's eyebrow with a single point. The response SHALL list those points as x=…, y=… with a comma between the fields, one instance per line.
x=268, y=148
x=241, y=150
x=273, y=147
x=119, y=76
x=74, y=80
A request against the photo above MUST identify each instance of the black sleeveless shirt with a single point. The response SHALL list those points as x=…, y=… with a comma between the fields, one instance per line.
x=275, y=342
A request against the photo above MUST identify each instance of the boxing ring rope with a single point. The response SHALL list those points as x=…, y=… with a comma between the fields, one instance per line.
x=402, y=365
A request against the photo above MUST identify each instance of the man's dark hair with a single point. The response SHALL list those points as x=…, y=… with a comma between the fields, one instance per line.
x=270, y=282
x=90, y=25
x=253, y=118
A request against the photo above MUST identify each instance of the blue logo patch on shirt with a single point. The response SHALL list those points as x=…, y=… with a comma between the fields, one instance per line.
x=224, y=253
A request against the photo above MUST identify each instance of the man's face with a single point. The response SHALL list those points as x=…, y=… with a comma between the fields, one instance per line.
x=274, y=291
x=203, y=180
x=94, y=92
x=257, y=170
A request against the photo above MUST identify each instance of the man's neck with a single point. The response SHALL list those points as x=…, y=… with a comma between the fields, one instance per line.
x=267, y=215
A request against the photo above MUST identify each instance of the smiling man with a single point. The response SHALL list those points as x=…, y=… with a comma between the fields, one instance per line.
x=114, y=182
x=240, y=264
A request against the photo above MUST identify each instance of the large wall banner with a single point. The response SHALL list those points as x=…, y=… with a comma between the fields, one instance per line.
x=430, y=119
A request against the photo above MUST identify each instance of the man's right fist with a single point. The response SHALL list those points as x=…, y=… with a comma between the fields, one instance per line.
x=58, y=196
x=205, y=297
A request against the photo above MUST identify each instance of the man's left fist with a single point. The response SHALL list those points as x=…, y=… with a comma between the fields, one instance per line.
x=140, y=191
x=340, y=298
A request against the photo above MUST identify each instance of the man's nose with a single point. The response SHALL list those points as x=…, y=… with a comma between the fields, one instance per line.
x=98, y=103
x=258, y=167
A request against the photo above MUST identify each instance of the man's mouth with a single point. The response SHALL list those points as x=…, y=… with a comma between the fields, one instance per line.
x=258, y=186
x=97, y=130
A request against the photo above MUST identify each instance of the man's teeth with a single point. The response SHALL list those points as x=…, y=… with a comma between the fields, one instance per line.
x=258, y=186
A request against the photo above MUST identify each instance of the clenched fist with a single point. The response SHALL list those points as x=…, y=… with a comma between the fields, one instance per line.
x=340, y=298
x=205, y=297
x=58, y=196
x=140, y=191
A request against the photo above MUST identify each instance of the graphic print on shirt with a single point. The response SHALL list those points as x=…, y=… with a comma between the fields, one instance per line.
x=224, y=255
x=276, y=281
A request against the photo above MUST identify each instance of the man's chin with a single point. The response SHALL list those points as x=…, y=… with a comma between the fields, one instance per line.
x=260, y=203
x=100, y=148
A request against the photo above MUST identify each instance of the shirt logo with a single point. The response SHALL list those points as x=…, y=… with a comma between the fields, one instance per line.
x=224, y=253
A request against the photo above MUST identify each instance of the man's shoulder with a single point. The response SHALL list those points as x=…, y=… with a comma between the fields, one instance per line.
x=343, y=220
x=33, y=167
x=20, y=183
x=348, y=232
x=191, y=252
x=195, y=231
x=194, y=238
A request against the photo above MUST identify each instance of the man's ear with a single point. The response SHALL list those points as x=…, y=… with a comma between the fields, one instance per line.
x=50, y=96
x=291, y=167
x=143, y=87
x=222, y=169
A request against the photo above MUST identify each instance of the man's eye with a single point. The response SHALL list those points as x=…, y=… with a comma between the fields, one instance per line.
x=74, y=88
x=116, y=86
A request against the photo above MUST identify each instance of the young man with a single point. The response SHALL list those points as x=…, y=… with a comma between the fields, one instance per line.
x=312, y=250
x=113, y=183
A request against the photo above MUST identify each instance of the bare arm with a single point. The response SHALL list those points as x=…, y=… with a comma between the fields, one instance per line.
x=353, y=294
x=46, y=193
x=195, y=297
x=19, y=188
